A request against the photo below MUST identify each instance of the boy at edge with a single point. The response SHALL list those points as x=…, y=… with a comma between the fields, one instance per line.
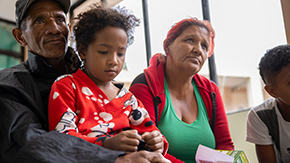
x=274, y=69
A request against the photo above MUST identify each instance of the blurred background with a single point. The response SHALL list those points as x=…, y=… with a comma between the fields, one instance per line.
x=245, y=29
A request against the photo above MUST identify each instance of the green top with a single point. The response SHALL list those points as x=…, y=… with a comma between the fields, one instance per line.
x=184, y=138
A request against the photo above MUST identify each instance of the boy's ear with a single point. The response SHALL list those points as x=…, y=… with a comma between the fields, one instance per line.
x=18, y=35
x=271, y=90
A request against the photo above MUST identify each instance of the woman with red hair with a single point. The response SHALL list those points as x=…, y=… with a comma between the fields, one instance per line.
x=186, y=107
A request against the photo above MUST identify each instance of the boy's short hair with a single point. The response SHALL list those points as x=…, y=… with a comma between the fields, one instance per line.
x=273, y=61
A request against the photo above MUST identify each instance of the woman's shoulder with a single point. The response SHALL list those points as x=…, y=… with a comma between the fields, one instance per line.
x=202, y=81
x=139, y=79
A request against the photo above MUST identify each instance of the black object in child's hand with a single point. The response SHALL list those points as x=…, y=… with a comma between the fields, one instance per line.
x=142, y=146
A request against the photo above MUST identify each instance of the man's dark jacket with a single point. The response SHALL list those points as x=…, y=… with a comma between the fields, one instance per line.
x=24, y=91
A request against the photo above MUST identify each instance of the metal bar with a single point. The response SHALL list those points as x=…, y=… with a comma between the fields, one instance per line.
x=211, y=60
x=73, y=7
x=8, y=21
x=146, y=30
x=12, y=53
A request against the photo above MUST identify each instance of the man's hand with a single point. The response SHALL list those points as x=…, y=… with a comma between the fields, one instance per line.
x=154, y=141
x=126, y=141
x=142, y=157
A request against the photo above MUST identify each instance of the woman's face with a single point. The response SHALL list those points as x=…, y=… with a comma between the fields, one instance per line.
x=105, y=56
x=189, y=50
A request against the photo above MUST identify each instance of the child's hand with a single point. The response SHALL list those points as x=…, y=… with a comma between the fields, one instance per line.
x=126, y=141
x=154, y=141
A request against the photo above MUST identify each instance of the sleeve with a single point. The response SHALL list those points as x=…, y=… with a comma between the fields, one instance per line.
x=221, y=129
x=257, y=131
x=62, y=109
x=140, y=120
x=24, y=139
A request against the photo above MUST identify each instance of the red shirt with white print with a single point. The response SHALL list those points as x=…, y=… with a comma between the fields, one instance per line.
x=78, y=107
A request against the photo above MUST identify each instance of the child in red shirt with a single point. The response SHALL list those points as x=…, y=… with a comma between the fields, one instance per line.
x=88, y=104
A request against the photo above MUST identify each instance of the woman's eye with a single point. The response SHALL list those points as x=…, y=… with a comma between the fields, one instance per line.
x=205, y=47
x=121, y=54
x=189, y=40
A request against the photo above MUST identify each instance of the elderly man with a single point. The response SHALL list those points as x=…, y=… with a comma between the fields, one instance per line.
x=24, y=91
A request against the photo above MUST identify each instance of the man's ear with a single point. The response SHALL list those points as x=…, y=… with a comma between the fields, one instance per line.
x=18, y=35
x=271, y=90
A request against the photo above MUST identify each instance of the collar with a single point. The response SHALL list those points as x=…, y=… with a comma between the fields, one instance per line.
x=38, y=67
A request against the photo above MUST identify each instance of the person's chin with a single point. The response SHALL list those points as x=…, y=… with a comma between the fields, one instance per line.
x=193, y=69
x=56, y=53
x=58, y=48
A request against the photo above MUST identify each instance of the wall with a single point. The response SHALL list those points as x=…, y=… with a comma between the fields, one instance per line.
x=235, y=99
x=237, y=124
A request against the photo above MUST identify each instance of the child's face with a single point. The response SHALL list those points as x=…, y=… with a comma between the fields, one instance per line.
x=281, y=89
x=104, y=57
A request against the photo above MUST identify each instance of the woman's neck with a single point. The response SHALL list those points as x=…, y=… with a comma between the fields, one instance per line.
x=178, y=83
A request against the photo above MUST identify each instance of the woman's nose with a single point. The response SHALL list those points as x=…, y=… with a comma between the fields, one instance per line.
x=197, y=48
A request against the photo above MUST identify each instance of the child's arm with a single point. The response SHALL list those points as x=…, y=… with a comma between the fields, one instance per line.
x=126, y=141
x=62, y=105
x=154, y=140
x=62, y=111
x=141, y=121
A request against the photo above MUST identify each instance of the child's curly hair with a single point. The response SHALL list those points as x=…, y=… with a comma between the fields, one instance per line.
x=87, y=23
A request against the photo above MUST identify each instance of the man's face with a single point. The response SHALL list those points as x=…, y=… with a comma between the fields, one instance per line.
x=46, y=32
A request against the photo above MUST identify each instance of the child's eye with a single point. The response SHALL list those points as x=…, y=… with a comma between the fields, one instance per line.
x=103, y=52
